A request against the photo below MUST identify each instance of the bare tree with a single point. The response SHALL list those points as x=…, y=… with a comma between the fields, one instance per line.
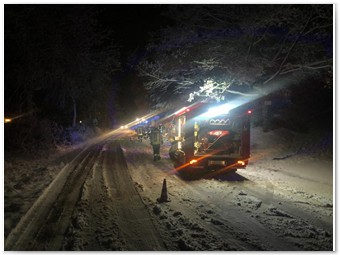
x=231, y=45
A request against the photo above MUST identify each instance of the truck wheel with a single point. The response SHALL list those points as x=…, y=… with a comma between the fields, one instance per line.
x=187, y=173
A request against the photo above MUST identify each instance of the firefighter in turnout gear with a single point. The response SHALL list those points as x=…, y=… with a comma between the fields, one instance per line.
x=140, y=134
x=155, y=141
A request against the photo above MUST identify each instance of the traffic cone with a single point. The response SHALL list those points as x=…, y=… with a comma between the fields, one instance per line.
x=164, y=194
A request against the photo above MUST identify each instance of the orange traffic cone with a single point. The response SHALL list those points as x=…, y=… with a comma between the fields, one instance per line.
x=164, y=194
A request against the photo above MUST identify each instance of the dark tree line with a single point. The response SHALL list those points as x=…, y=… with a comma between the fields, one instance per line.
x=57, y=58
x=59, y=68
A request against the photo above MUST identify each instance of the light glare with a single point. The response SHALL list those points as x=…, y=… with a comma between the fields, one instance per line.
x=241, y=162
x=218, y=110
x=193, y=161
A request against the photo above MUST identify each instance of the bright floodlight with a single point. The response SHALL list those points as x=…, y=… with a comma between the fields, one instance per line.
x=218, y=110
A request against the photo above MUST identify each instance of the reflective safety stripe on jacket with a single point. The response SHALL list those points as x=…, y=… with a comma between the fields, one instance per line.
x=155, y=137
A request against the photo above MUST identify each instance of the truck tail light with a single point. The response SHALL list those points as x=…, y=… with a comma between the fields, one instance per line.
x=193, y=161
x=219, y=132
x=240, y=162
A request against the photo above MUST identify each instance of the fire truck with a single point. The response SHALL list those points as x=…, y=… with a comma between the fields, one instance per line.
x=210, y=138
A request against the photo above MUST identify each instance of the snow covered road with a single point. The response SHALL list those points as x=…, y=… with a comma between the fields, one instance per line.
x=106, y=199
x=91, y=205
x=246, y=210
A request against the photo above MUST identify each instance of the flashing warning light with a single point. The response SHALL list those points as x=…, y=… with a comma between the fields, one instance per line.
x=179, y=145
x=218, y=110
x=249, y=111
x=219, y=132
x=193, y=161
x=240, y=162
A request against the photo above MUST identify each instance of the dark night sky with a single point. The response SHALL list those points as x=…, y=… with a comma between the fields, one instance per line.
x=132, y=24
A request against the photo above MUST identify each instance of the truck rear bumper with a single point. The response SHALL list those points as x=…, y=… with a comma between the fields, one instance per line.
x=218, y=162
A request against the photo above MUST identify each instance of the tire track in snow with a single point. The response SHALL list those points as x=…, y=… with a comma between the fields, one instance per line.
x=180, y=220
x=224, y=219
x=286, y=219
x=44, y=225
x=245, y=217
x=94, y=225
x=133, y=219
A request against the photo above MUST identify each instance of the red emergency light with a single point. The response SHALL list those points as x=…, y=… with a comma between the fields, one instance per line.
x=219, y=132
x=188, y=108
x=181, y=111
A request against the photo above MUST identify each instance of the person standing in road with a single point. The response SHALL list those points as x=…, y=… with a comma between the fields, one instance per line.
x=155, y=141
x=140, y=134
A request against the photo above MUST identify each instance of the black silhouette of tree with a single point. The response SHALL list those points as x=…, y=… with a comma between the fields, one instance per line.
x=60, y=53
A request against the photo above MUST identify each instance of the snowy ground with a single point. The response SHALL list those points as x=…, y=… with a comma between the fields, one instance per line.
x=282, y=201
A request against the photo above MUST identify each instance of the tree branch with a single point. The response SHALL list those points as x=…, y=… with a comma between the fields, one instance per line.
x=281, y=47
x=318, y=27
x=262, y=37
x=288, y=53
x=306, y=67
x=312, y=66
x=156, y=77
x=240, y=93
